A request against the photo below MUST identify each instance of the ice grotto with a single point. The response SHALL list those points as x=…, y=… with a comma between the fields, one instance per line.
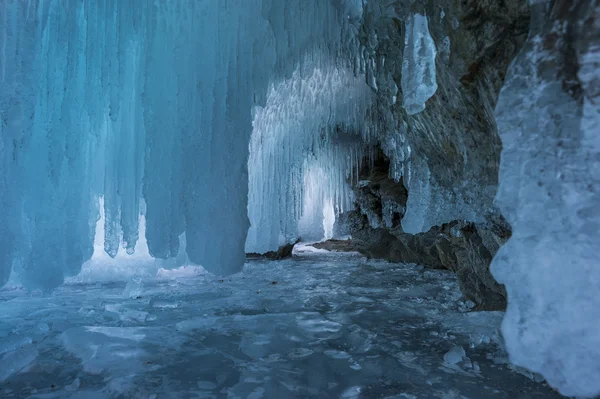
x=299, y=199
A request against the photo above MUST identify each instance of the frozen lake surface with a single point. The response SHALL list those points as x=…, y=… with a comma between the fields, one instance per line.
x=319, y=325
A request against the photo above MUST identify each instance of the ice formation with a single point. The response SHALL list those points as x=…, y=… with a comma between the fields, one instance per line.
x=431, y=205
x=418, y=67
x=124, y=111
x=549, y=180
x=305, y=143
x=149, y=101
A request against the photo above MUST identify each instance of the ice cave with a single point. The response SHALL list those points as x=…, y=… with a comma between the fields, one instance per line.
x=299, y=199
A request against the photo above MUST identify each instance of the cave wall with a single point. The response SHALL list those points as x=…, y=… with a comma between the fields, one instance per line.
x=448, y=154
x=500, y=167
x=428, y=196
x=463, y=247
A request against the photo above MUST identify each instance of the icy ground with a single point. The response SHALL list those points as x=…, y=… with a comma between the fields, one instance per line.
x=319, y=325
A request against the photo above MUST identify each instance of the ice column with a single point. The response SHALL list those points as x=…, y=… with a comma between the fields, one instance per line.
x=47, y=140
x=548, y=117
x=197, y=112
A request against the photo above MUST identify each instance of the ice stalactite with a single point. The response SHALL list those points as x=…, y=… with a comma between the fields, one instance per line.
x=124, y=264
x=548, y=118
x=436, y=122
x=139, y=101
x=418, y=67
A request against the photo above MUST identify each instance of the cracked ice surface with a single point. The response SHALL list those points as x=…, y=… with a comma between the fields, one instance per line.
x=319, y=325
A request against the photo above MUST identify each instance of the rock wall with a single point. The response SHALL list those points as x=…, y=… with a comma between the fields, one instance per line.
x=541, y=118
x=428, y=196
x=463, y=247
x=549, y=120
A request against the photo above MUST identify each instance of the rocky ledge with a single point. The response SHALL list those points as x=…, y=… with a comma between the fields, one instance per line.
x=285, y=251
x=463, y=247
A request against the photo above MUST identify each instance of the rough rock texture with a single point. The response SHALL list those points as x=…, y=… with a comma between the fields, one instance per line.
x=429, y=198
x=334, y=245
x=474, y=247
x=448, y=154
x=285, y=251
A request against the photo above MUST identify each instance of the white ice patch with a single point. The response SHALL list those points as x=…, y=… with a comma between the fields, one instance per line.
x=125, y=266
x=103, y=349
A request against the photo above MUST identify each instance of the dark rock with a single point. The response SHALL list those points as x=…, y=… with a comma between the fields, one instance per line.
x=336, y=245
x=348, y=222
x=379, y=243
x=474, y=254
x=285, y=251
x=462, y=247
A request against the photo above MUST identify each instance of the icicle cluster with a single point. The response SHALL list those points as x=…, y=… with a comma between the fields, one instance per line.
x=304, y=147
x=155, y=106
x=138, y=100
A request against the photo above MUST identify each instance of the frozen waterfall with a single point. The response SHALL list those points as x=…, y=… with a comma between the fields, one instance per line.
x=154, y=101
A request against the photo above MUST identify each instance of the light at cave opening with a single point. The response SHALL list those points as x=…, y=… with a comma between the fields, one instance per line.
x=126, y=264
x=306, y=143
x=121, y=110
x=318, y=214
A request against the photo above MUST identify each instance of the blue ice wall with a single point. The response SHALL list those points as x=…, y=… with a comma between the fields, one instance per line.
x=140, y=102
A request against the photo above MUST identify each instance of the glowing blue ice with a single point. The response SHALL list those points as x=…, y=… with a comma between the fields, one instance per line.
x=146, y=102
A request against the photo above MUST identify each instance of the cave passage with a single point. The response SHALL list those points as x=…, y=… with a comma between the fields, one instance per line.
x=148, y=149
